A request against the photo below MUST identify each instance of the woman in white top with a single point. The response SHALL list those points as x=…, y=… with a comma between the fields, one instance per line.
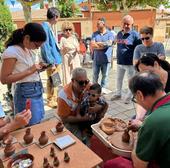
x=18, y=66
x=69, y=47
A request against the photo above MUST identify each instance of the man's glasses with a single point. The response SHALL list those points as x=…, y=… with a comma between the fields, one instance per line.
x=134, y=99
x=68, y=30
x=145, y=38
x=93, y=95
x=82, y=83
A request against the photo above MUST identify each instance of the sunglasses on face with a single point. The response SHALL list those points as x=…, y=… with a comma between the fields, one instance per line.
x=82, y=83
x=68, y=30
x=145, y=38
x=93, y=95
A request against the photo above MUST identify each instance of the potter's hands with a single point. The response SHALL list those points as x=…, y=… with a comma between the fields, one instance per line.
x=134, y=125
x=23, y=118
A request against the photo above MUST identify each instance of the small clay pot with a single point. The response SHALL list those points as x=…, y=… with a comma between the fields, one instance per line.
x=9, y=149
x=43, y=139
x=66, y=157
x=126, y=136
x=56, y=161
x=59, y=127
x=28, y=137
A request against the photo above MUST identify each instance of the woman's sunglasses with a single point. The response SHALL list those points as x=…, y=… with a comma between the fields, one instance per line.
x=68, y=30
x=145, y=38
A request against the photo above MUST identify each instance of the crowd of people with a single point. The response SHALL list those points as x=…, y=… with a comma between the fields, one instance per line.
x=80, y=102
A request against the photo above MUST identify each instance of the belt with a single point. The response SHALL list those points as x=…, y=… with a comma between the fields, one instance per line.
x=38, y=83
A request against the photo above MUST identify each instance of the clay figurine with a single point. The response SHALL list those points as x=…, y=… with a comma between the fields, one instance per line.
x=1, y=164
x=43, y=139
x=45, y=163
x=9, y=149
x=56, y=162
x=52, y=152
x=28, y=137
x=126, y=136
x=59, y=127
x=66, y=157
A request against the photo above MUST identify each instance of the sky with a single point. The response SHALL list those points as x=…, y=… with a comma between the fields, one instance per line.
x=17, y=6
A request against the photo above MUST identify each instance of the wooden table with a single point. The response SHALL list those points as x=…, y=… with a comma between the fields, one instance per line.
x=80, y=155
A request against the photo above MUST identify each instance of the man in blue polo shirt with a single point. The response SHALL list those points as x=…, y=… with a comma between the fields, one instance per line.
x=102, y=52
x=127, y=40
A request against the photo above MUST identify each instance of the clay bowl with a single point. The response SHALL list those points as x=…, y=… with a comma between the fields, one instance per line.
x=18, y=158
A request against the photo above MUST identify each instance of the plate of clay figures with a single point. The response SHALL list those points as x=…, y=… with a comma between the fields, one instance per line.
x=21, y=161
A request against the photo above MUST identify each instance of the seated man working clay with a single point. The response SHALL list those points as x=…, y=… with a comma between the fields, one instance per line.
x=153, y=144
x=69, y=100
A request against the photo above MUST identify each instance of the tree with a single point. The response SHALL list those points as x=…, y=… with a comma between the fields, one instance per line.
x=67, y=8
x=128, y=4
x=6, y=24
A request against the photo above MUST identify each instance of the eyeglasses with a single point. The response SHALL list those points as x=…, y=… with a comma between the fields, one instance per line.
x=145, y=38
x=82, y=83
x=93, y=95
x=134, y=99
x=68, y=30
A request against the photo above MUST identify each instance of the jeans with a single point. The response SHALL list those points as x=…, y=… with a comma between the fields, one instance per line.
x=104, y=70
x=32, y=91
x=121, y=69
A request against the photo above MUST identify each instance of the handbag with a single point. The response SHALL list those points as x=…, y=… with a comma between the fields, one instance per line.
x=55, y=79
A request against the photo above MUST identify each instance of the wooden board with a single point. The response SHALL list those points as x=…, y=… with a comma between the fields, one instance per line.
x=80, y=155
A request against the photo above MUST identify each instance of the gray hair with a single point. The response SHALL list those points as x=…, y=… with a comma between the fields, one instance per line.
x=128, y=17
x=78, y=72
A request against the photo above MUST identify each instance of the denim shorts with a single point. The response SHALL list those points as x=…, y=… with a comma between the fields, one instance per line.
x=32, y=91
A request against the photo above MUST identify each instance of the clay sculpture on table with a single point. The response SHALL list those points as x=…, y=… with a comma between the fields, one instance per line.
x=66, y=157
x=45, y=163
x=9, y=149
x=28, y=137
x=126, y=136
x=52, y=152
x=59, y=127
x=43, y=139
x=56, y=161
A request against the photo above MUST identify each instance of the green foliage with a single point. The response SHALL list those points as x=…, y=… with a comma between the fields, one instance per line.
x=128, y=4
x=6, y=25
x=67, y=8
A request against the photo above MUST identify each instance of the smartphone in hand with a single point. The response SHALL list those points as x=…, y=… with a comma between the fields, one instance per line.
x=45, y=67
x=28, y=104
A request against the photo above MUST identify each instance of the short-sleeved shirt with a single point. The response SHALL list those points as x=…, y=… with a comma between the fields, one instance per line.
x=103, y=55
x=24, y=60
x=85, y=104
x=156, y=48
x=2, y=114
x=126, y=43
x=67, y=102
x=154, y=135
